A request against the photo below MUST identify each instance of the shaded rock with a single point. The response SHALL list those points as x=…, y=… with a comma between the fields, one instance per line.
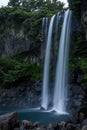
x=70, y=127
x=16, y=128
x=9, y=121
x=36, y=124
x=84, y=122
x=27, y=124
x=39, y=128
x=42, y=108
x=82, y=114
x=50, y=126
x=84, y=127
x=62, y=125
x=22, y=128
x=56, y=127
x=77, y=103
x=81, y=96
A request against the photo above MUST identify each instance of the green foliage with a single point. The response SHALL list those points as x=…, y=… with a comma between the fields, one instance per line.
x=75, y=5
x=14, y=3
x=32, y=25
x=78, y=53
x=18, y=16
x=83, y=66
x=13, y=71
x=26, y=16
x=23, y=16
x=31, y=5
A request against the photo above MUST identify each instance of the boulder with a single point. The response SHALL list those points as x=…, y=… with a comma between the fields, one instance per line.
x=16, y=128
x=39, y=128
x=36, y=124
x=71, y=126
x=27, y=124
x=9, y=121
x=84, y=122
x=50, y=126
x=84, y=127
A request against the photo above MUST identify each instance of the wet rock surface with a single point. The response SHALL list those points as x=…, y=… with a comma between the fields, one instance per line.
x=22, y=96
x=27, y=97
x=31, y=97
x=77, y=96
x=9, y=121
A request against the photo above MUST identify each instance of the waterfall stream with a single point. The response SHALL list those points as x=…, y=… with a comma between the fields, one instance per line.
x=45, y=94
x=61, y=76
x=60, y=90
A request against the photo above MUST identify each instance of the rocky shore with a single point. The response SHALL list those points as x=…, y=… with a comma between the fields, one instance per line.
x=11, y=121
x=26, y=97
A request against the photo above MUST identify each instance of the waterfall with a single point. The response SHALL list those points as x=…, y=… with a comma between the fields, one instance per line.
x=46, y=30
x=45, y=24
x=56, y=27
x=45, y=94
x=60, y=90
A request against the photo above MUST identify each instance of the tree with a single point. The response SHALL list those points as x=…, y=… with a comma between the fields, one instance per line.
x=14, y=3
x=75, y=5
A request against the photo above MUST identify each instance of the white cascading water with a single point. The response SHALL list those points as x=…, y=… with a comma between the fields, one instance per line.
x=46, y=29
x=45, y=24
x=60, y=90
x=45, y=98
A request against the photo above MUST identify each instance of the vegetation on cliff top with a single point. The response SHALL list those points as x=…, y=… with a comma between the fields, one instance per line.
x=25, y=17
x=78, y=6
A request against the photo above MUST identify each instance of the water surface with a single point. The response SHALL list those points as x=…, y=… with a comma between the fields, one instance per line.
x=35, y=114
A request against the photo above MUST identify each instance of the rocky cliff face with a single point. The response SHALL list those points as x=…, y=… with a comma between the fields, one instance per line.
x=84, y=22
x=84, y=15
x=12, y=45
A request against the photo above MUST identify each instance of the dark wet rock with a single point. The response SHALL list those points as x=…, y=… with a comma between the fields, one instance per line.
x=16, y=128
x=27, y=124
x=37, y=86
x=79, y=79
x=24, y=97
x=56, y=126
x=77, y=97
x=50, y=126
x=22, y=128
x=9, y=121
x=36, y=124
x=77, y=103
x=84, y=122
x=42, y=108
x=70, y=127
x=84, y=127
x=39, y=128
x=81, y=96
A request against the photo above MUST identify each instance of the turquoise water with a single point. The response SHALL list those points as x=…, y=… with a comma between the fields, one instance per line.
x=37, y=115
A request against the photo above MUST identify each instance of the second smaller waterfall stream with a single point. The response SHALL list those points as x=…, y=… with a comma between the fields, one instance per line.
x=45, y=97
